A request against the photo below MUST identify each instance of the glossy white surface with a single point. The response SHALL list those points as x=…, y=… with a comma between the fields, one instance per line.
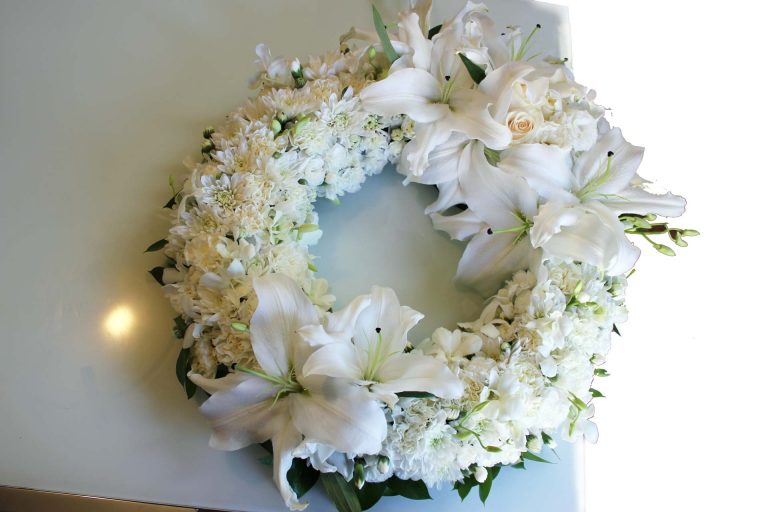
x=99, y=103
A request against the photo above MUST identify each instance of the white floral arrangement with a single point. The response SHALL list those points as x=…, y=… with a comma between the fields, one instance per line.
x=528, y=170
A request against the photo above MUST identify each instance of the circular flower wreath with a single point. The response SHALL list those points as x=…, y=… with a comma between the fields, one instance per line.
x=528, y=170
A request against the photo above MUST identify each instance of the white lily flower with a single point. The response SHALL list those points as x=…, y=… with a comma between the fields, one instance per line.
x=281, y=402
x=585, y=196
x=365, y=342
x=499, y=215
x=432, y=87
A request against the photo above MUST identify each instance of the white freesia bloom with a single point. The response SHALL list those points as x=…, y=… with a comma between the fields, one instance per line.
x=365, y=342
x=584, y=198
x=280, y=401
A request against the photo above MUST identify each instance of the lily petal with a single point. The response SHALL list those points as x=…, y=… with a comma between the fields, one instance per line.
x=639, y=201
x=498, y=85
x=284, y=442
x=412, y=35
x=409, y=91
x=417, y=372
x=546, y=168
x=459, y=226
x=242, y=415
x=489, y=260
x=343, y=416
x=283, y=308
x=469, y=115
x=382, y=313
x=341, y=360
x=590, y=168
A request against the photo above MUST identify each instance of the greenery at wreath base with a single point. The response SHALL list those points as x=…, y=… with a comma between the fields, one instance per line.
x=346, y=496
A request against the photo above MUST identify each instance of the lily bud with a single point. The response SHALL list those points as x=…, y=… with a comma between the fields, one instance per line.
x=276, y=127
x=359, y=476
x=383, y=464
x=480, y=474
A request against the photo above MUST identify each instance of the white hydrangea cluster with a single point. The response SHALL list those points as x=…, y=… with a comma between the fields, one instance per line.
x=527, y=365
x=247, y=208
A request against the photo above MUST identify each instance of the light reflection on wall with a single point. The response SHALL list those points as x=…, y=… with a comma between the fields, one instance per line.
x=119, y=322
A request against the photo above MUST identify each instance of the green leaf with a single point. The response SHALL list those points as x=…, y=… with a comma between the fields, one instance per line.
x=415, y=394
x=389, y=50
x=411, y=489
x=171, y=203
x=157, y=273
x=302, y=477
x=370, y=494
x=434, y=31
x=616, y=330
x=190, y=388
x=464, y=488
x=179, y=327
x=534, y=457
x=546, y=438
x=341, y=492
x=476, y=72
x=157, y=245
x=518, y=465
x=596, y=393
x=183, y=365
x=267, y=460
x=485, y=487
x=600, y=372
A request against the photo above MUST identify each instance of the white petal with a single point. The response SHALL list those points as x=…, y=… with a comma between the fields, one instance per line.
x=469, y=115
x=551, y=219
x=382, y=313
x=417, y=372
x=589, y=169
x=459, y=226
x=242, y=415
x=283, y=308
x=494, y=195
x=284, y=442
x=639, y=201
x=443, y=162
x=412, y=35
x=317, y=336
x=488, y=260
x=340, y=360
x=340, y=415
x=212, y=386
x=417, y=152
x=497, y=85
x=408, y=91
x=546, y=168
x=449, y=194
x=596, y=238
x=343, y=321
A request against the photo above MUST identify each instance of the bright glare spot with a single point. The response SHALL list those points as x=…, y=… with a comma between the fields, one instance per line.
x=119, y=322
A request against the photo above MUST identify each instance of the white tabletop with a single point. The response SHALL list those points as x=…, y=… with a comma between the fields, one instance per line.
x=99, y=103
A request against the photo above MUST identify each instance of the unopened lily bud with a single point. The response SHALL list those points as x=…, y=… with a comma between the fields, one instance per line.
x=281, y=116
x=276, y=127
x=296, y=68
x=690, y=232
x=650, y=217
x=534, y=444
x=480, y=474
x=383, y=464
x=359, y=476
x=371, y=53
